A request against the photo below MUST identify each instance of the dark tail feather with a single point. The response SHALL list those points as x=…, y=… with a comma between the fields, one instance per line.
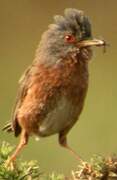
x=8, y=128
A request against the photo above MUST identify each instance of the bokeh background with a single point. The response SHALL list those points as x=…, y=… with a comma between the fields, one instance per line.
x=21, y=25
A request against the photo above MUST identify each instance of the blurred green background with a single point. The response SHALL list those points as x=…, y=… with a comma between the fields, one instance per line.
x=21, y=25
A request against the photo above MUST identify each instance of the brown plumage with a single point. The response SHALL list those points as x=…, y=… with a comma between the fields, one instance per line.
x=53, y=89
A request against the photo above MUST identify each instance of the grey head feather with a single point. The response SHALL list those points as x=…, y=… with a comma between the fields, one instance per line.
x=74, y=20
x=80, y=22
x=52, y=46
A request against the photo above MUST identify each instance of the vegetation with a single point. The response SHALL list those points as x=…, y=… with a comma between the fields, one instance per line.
x=98, y=168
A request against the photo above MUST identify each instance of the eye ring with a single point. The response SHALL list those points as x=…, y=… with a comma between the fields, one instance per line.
x=69, y=38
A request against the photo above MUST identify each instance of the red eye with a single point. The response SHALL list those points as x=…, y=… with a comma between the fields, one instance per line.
x=70, y=38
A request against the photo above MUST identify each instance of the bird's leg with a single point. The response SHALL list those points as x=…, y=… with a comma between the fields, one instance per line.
x=22, y=143
x=63, y=143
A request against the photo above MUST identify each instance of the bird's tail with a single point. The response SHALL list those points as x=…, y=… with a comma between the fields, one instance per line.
x=8, y=127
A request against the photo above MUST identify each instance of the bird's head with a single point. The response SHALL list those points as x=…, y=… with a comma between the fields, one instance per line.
x=69, y=35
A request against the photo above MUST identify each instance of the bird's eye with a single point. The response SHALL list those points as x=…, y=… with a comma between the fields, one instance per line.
x=70, y=38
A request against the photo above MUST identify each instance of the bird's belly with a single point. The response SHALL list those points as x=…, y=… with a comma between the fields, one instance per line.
x=59, y=118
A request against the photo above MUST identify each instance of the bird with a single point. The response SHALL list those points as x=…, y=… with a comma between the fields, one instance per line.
x=53, y=88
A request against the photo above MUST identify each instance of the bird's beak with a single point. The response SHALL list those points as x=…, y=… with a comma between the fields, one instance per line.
x=91, y=42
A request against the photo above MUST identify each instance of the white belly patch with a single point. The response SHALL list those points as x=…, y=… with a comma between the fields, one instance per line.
x=58, y=118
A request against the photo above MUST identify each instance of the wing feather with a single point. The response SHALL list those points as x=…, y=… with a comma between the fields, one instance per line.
x=22, y=91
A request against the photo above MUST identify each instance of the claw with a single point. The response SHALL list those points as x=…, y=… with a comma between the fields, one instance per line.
x=10, y=164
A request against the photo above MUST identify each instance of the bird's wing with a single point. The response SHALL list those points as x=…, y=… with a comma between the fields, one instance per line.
x=43, y=83
x=23, y=86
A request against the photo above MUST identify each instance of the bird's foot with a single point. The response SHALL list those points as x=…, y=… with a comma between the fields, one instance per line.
x=86, y=168
x=10, y=164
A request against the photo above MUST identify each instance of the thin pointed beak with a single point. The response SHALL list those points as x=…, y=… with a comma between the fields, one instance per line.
x=91, y=42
